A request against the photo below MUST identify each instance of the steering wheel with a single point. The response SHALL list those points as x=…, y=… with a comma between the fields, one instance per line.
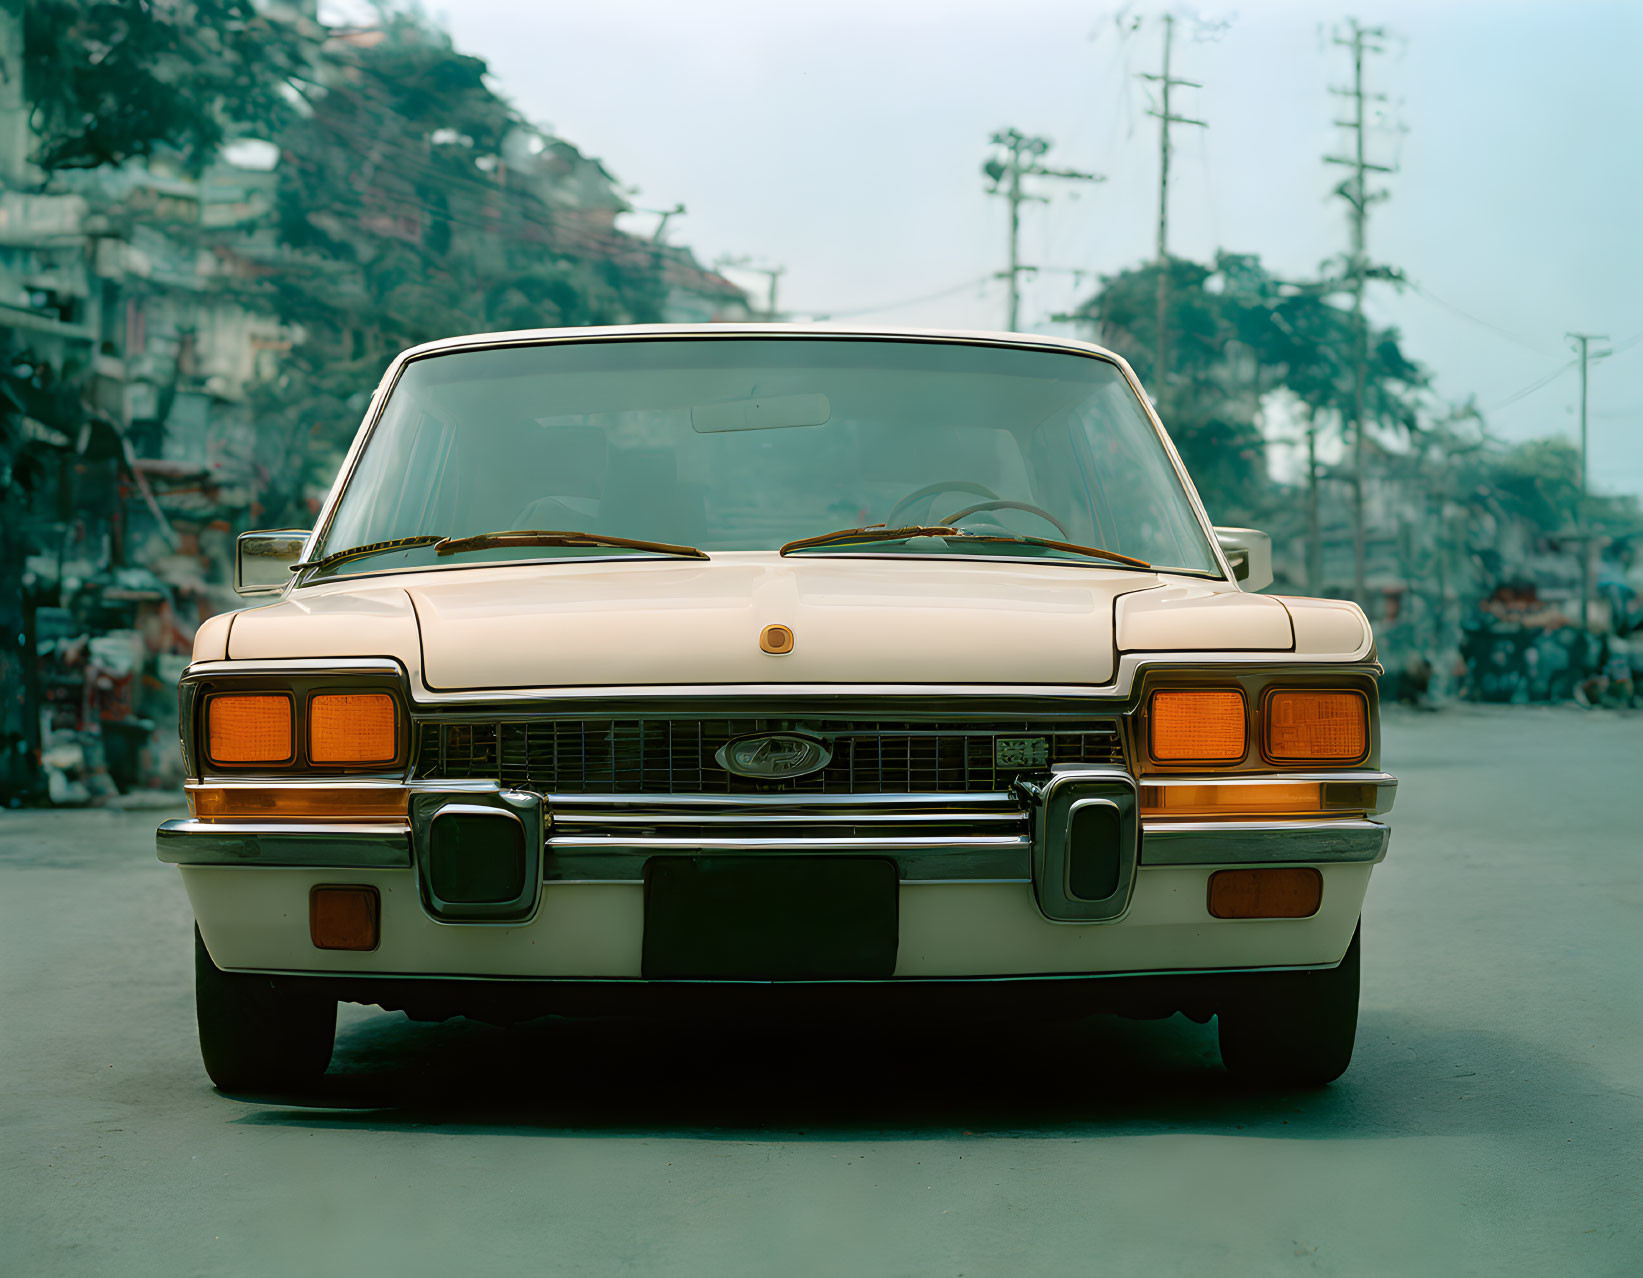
x=930, y=490
x=997, y=504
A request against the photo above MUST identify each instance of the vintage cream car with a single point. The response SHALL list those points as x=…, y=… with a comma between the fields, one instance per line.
x=630, y=666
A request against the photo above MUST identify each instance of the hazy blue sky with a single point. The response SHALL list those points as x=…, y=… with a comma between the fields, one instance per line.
x=843, y=140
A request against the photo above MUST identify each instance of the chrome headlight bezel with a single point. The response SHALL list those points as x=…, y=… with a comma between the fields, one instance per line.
x=301, y=679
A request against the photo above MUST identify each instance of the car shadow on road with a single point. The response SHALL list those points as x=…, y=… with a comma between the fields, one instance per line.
x=918, y=1079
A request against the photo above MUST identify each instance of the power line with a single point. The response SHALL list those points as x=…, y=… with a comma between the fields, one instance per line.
x=1467, y=315
x=1532, y=387
x=1620, y=348
x=911, y=301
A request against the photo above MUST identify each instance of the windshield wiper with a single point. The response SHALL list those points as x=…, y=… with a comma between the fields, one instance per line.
x=369, y=548
x=551, y=537
x=849, y=536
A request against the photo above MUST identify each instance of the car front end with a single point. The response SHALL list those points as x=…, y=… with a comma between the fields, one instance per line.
x=593, y=781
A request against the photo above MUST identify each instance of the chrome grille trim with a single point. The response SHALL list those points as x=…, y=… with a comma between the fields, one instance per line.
x=573, y=756
x=713, y=820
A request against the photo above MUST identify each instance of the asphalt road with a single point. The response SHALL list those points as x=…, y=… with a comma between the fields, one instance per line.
x=1490, y=1122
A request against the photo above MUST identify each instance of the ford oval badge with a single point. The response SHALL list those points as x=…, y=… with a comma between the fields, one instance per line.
x=770, y=756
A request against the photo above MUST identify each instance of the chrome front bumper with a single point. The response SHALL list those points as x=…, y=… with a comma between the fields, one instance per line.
x=617, y=858
x=965, y=838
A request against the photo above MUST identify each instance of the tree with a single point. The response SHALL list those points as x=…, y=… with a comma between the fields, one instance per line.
x=414, y=203
x=113, y=80
x=1237, y=334
x=1214, y=394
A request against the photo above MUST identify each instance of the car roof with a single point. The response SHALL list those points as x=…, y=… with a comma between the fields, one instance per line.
x=528, y=336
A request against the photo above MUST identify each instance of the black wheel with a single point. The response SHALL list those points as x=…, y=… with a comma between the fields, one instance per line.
x=1294, y=1028
x=257, y=1033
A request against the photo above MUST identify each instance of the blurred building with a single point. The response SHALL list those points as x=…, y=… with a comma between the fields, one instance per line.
x=135, y=331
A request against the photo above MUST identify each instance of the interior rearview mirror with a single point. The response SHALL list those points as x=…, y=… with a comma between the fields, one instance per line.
x=1249, y=551
x=761, y=412
x=263, y=559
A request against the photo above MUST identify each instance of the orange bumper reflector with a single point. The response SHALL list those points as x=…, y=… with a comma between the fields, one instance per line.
x=249, y=728
x=352, y=727
x=1278, y=798
x=344, y=918
x=1290, y=893
x=226, y=802
x=1307, y=726
x=1196, y=727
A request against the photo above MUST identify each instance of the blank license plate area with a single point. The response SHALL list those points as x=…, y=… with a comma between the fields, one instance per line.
x=776, y=918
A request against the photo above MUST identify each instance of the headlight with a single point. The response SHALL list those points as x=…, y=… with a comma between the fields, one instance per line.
x=352, y=728
x=1310, y=725
x=1197, y=726
x=249, y=728
x=296, y=721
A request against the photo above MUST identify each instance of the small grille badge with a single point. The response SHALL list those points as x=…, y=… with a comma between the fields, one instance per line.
x=1021, y=752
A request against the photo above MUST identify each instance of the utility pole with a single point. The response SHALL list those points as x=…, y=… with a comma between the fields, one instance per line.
x=1165, y=117
x=1005, y=175
x=664, y=216
x=1314, y=539
x=771, y=274
x=1355, y=191
x=1582, y=528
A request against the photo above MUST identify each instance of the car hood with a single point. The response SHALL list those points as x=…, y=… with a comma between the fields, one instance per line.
x=853, y=621
x=693, y=622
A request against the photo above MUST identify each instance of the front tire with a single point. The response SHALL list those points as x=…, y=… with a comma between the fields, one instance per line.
x=257, y=1033
x=1294, y=1028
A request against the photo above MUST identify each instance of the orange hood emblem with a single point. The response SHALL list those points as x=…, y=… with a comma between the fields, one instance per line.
x=777, y=640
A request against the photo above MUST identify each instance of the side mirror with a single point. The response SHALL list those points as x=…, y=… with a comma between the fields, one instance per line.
x=262, y=560
x=1250, y=554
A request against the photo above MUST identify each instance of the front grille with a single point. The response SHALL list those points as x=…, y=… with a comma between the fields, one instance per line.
x=676, y=756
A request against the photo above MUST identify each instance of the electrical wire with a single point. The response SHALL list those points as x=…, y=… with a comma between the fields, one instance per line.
x=1533, y=386
x=911, y=301
x=1510, y=336
x=1557, y=372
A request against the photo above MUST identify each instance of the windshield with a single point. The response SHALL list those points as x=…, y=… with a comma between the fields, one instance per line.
x=732, y=444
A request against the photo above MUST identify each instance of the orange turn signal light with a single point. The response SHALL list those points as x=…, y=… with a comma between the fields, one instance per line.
x=249, y=728
x=353, y=728
x=1310, y=725
x=344, y=917
x=1233, y=799
x=270, y=802
x=1197, y=726
x=1294, y=892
